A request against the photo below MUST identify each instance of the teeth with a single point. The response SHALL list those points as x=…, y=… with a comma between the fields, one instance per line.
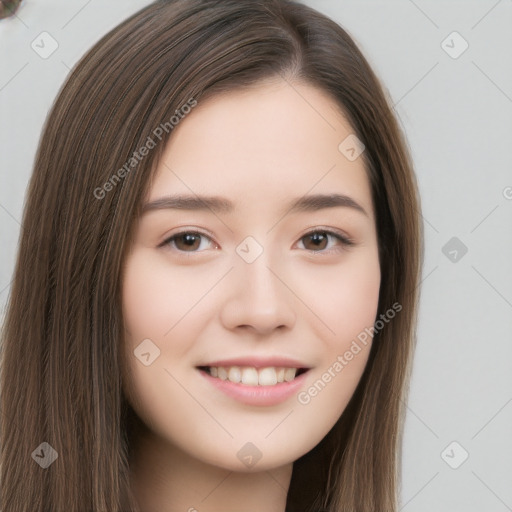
x=251, y=376
x=267, y=377
x=234, y=374
x=289, y=374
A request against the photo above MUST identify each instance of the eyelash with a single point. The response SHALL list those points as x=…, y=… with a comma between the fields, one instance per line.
x=345, y=241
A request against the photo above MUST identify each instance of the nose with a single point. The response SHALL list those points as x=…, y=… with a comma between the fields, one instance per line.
x=258, y=298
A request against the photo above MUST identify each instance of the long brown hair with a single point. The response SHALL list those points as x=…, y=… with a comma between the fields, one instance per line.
x=62, y=358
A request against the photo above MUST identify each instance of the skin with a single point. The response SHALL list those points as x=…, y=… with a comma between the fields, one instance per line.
x=260, y=148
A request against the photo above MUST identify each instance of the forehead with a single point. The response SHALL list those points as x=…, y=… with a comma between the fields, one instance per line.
x=262, y=146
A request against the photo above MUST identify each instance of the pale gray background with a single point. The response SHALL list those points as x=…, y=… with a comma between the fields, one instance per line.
x=457, y=114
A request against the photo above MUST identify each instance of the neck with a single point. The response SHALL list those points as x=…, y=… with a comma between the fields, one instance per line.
x=166, y=479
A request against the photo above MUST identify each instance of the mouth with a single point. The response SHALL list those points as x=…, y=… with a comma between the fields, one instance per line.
x=252, y=376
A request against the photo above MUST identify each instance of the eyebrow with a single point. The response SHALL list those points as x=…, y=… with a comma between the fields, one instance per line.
x=222, y=205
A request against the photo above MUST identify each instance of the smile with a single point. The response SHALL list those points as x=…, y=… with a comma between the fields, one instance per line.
x=251, y=376
x=256, y=386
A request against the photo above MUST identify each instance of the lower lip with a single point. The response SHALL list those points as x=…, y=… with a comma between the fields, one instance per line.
x=257, y=395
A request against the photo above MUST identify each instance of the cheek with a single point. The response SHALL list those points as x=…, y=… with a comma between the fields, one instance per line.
x=152, y=311
x=347, y=305
x=357, y=298
x=155, y=299
x=144, y=298
x=345, y=300
x=151, y=308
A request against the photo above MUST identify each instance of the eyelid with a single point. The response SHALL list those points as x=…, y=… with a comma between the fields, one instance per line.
x=187, y=231
x=343, y=238
x=336, y=233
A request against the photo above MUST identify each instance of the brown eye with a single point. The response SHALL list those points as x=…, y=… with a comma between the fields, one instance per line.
x=186, y=241
x=318, y=241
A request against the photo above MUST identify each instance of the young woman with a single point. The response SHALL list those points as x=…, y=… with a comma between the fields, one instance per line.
x=215, y=296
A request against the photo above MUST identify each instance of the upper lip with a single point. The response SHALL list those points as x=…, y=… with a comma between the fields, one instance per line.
x=258, y=362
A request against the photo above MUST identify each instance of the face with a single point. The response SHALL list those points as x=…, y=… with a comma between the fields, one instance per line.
x=242, y=314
